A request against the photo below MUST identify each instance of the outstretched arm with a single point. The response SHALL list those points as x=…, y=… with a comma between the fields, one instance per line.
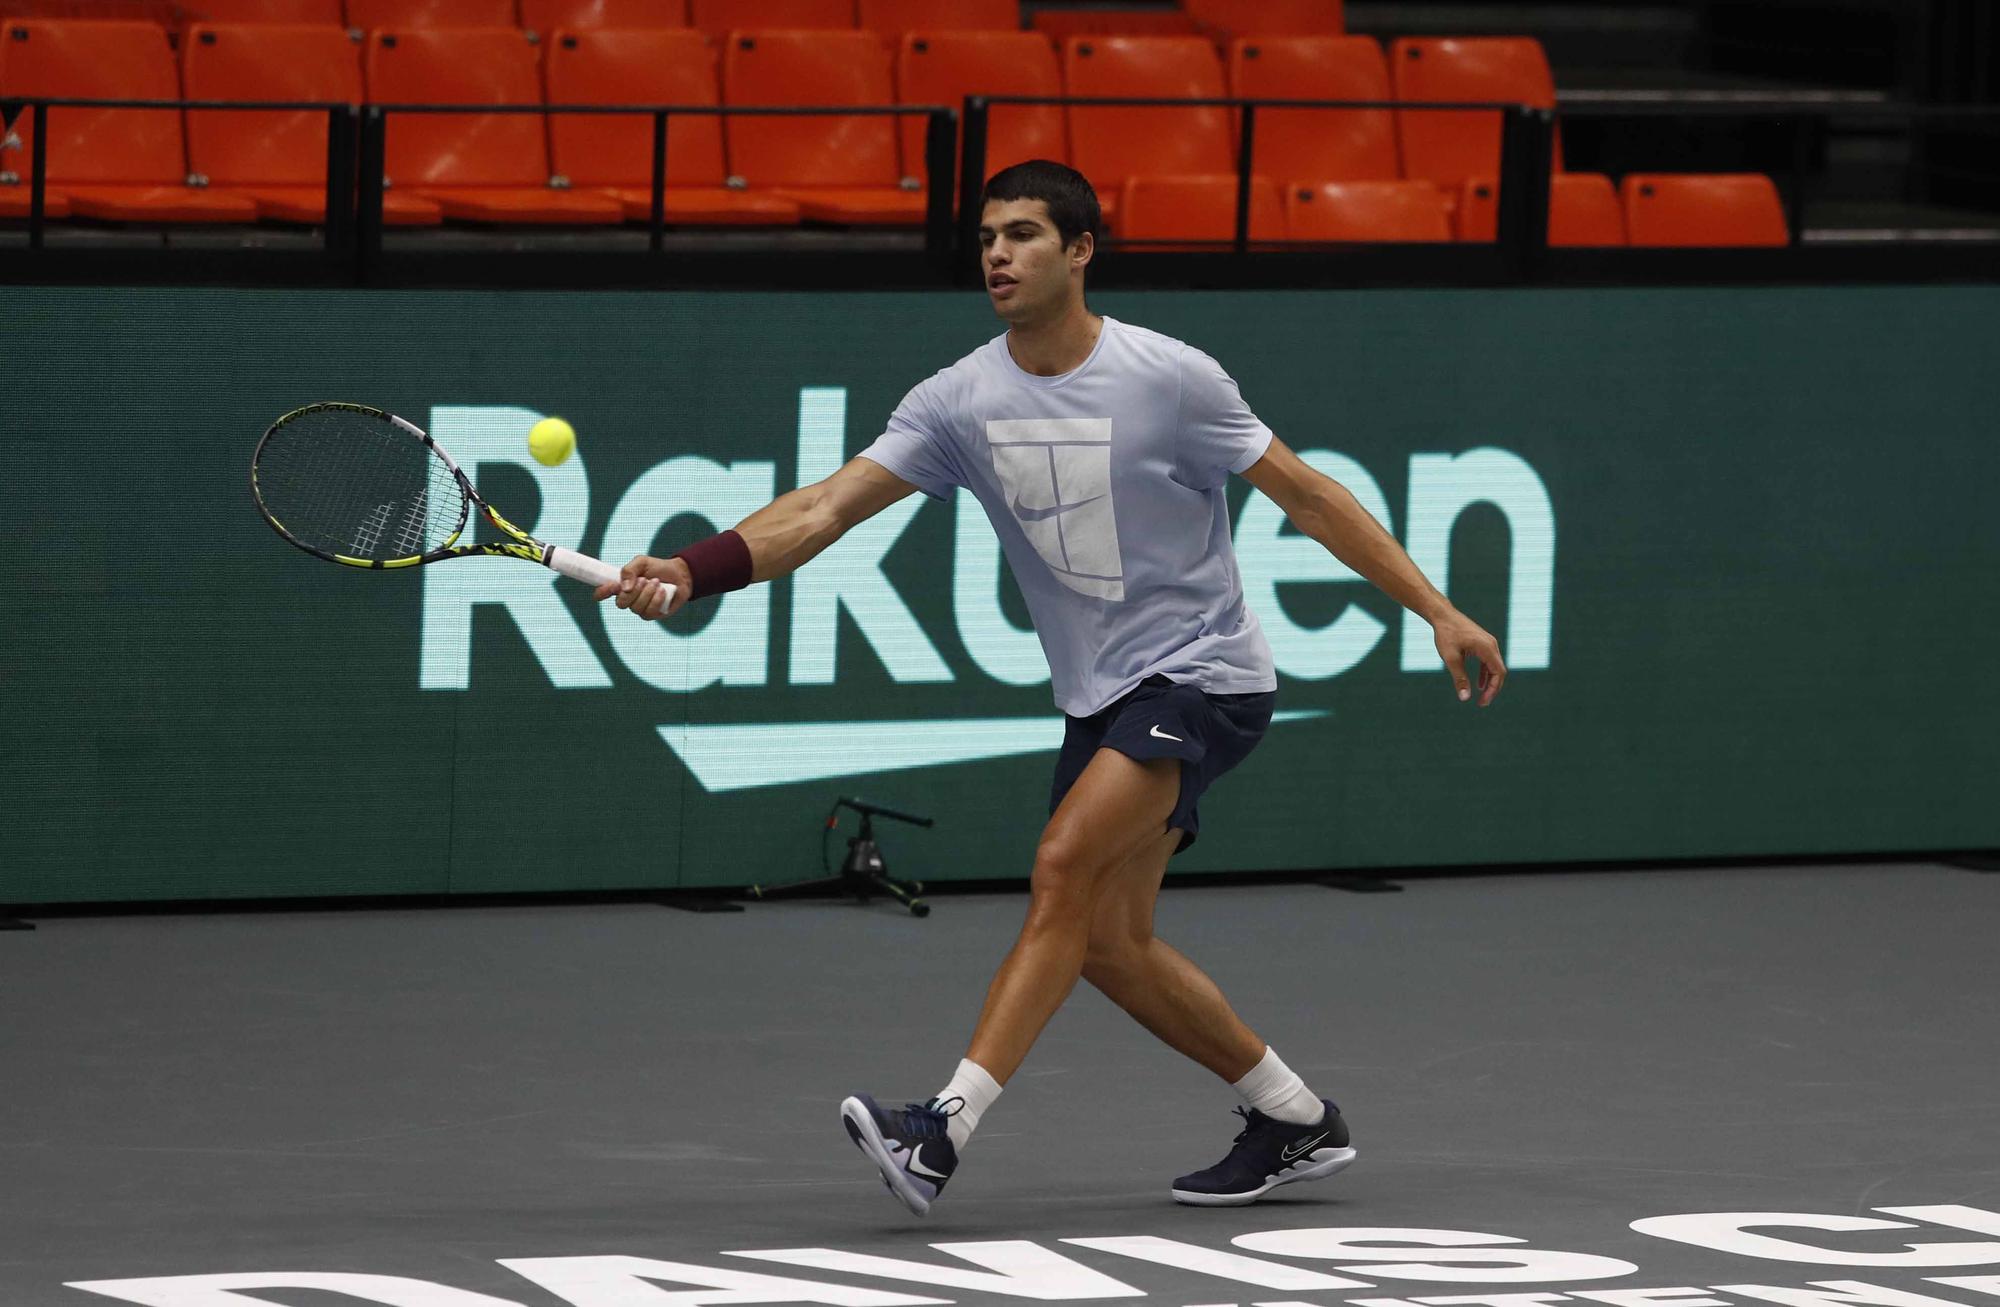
x=1323, y=509
x=782, y=536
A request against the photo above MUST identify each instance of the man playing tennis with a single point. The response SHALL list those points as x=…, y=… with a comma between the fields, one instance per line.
x=1100, y=451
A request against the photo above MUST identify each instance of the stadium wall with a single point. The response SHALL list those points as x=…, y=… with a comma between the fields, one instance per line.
x=1737, y=543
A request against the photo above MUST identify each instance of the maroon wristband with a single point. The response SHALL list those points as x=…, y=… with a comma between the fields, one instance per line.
x=717, y=565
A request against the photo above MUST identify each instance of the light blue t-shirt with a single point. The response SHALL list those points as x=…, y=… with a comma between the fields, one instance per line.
x=1105, y=485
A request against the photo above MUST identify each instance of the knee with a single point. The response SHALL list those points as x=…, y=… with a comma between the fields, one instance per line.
x=1065, y=881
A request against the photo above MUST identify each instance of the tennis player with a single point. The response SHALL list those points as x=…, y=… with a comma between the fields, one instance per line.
x=1100, y=451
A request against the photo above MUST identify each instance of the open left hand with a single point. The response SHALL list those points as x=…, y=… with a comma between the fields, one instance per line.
x=1460, y=638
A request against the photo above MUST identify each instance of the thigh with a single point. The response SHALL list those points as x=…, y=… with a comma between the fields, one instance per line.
x=1118, y=806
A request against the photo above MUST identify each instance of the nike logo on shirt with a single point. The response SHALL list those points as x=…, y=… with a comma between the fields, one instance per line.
x=1159, y=734
x=1027, y=514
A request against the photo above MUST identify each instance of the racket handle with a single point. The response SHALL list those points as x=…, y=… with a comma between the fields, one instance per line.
x=582, y=567
x=590, y=571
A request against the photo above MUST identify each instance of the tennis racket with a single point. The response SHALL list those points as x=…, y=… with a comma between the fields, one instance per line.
x=354, y=485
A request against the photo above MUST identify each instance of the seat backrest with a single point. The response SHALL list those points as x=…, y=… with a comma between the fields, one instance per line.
x=82, y=59
x=719, y=18
x=546, y=16
x=1109, y=144
x=265, y=61
x=288, y=12
x=1060, y=25
x=1704, y=209
x=1369, y=211
x=632, y=67
x=1317, y=144
x=1584, y=210
x=1191, y=208
x=475, y=65
x=892, y=18
x=945, y=67
x=809, y=68
x=1447, y=146
x=403, y=15
x=1223, y=19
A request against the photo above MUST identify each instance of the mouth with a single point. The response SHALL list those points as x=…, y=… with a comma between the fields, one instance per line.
x=1000, y=283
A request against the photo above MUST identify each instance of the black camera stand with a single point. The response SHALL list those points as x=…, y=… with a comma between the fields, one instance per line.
x=865, y=873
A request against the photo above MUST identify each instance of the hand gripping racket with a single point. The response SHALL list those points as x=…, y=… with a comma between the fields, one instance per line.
x=355, y=485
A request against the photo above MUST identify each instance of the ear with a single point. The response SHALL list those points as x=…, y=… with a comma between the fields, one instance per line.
x=1081, y=250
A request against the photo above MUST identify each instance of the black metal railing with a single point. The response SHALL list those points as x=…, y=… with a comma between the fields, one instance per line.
x=340, y=152
x=357, y=148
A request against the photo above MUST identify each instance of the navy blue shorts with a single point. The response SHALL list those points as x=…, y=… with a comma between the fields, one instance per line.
x=1160, y=718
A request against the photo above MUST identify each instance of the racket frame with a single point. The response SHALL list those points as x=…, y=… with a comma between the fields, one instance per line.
x=521, y=545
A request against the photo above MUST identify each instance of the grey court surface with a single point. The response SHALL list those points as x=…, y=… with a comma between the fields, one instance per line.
x=601, y=1104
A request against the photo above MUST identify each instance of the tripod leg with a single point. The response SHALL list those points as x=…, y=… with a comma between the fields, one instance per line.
x=906, y=894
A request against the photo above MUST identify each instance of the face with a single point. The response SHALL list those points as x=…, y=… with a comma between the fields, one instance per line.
x=1029, y=275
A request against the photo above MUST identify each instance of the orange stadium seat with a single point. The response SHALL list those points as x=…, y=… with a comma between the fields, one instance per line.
x=127, y=165
x=288, y=12
x=16, y=201
x=1583, y=210
x=719, y=18
x=1107, y=145
x=838, y=169
x=892, y=18
x=1704, y=209
x=1061, y=24
x=945, y=67
x=403, y=15
x=1368, y=211
x=483, y=167
x=615, y=152
x=161, y=13
x=1223, y=19
x=546, y=16
x=1317, y=144
x=277, y=158
x=16, y=184
x=1195, y=208
x=1448, y=147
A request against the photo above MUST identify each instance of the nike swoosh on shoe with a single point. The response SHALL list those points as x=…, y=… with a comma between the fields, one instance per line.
x=1295, y=1151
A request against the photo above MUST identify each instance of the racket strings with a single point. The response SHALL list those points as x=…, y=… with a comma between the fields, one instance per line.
x=354, y=484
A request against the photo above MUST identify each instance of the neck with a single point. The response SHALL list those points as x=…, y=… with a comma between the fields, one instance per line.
x=1057, y=345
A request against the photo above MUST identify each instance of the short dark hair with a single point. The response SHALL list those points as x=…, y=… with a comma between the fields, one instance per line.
x=1072, y=202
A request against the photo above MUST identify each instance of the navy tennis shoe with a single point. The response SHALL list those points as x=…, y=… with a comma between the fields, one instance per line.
x=1269, y=1153
x=910, y=1146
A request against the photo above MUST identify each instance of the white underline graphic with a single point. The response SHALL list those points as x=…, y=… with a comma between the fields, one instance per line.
x=751, y=755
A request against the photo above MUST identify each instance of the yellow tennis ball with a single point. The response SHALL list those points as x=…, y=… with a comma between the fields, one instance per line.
x=551, y=441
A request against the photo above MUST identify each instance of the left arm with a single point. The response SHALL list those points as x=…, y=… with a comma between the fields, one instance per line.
x=1323, y=509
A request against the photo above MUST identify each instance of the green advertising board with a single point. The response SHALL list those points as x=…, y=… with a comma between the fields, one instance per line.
x=1737, y=546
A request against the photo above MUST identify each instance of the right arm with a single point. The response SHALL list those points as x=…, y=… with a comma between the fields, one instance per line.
x=782, y=536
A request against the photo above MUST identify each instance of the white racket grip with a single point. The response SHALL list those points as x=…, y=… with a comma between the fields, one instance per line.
x=590, y=571
x=583, y=567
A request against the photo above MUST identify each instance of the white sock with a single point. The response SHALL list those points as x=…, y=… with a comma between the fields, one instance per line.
x=1276, y=1090
x=976, y=1091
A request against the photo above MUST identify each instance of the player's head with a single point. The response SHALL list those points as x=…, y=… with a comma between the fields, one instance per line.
x=1038, y=226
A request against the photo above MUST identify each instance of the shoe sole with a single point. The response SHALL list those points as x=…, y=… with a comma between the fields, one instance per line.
x=860, y=1123
x=1325, y=1162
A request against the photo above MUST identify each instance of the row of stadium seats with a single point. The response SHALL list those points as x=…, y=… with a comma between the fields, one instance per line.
x=1651, y=209
x=124, y=164
x=1220, y=19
